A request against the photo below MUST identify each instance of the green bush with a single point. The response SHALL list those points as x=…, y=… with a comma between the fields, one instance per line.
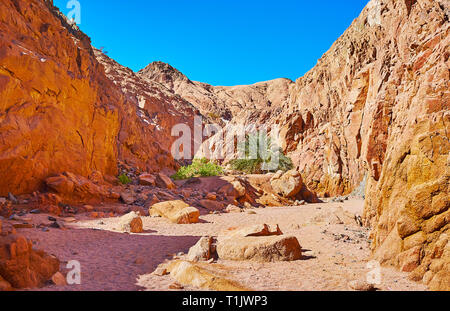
x=124, y=179
x=255, y=166
x=198, y=168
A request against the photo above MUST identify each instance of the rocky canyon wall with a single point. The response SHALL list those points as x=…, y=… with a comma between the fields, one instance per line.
x=58, y=110
x=377, y=105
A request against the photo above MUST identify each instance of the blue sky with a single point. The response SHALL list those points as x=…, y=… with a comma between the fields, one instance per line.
x=221, y=42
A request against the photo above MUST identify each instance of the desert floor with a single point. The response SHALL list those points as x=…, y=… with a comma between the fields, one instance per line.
x=334, y=254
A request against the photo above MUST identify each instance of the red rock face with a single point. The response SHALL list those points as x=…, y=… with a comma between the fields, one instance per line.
x=377, y=104
x=59, y=112
x=23, y=267
x=152, y=111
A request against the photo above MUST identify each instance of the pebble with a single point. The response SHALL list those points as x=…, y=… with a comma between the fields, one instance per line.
x=361, y=286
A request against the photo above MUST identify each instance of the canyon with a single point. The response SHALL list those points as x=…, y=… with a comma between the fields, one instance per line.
x=370, y=121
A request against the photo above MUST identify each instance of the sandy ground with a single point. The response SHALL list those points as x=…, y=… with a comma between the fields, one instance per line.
x=334, y=254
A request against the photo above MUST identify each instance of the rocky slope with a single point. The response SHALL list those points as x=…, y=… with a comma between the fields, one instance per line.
x=244, y=104
x=158, y=107
x=59, y=111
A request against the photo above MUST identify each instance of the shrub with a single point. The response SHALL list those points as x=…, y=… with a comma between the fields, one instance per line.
x=255, y=166
x=124, y=179
x=198, y=168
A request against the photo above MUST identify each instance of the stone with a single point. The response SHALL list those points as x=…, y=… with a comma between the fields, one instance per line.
x=370, y=110
x=88, y=208
x=288, y=185
x=23, y=267
x=23, y=226
x=176, y=211
x=204, y=250
x=59, y=279
x=12, y=198
x=410, y=259
x=212, y=205
x=147, y=180
x=233, y=209
x=161, y=270
x=233, y=189
x=358, y=285
x=259, y=249
x=176, y=286
x=253, y=231
x=75, y=189
x=163, y=181
x=199, y=276
x=128, y=197
x=211, y=196
x=131, y=222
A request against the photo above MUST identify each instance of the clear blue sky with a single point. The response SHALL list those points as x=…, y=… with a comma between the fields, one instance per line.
x=221, y=42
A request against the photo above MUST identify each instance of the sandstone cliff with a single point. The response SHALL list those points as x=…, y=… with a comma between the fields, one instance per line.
x=377, y=104
x=240, y=104
x=59, y=112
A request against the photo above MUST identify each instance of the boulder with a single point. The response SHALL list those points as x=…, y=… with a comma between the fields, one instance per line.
x=74, y=189
x=147, y=180
x=211, y=196
x=23, y=267
x=128, y=197
x=131, y=222
x=259, y=249
x=233, y=189
x=212, y=205
x=287, y=185
x=176, y=211
x=59, y=279
x=201, y=276
x=163, y=181
x=233, y=209
x=253, y=231
x=204, y=250
x=361, y=286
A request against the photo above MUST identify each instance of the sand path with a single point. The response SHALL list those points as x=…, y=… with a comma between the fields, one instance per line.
x=334, y=253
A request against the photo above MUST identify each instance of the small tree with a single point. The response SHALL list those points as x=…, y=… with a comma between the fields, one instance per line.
x=259, y=151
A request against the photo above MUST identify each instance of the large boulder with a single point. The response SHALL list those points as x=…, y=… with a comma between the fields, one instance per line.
x=253, y=231
x=211, y=205
x=288, y=184
x=131, y=222
x=260, y=249
x=233, y=189
x=202, y=276
x=23, y=267
x=176, y=211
